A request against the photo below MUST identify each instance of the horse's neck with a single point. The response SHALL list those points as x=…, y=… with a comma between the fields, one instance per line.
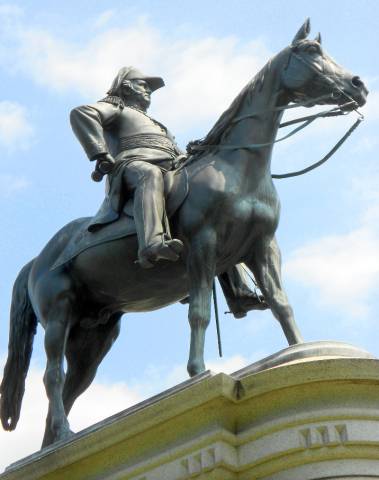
x=262, y=127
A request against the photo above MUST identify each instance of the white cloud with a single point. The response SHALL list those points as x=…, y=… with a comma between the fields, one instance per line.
x=205, y=77
x=16, y=131
x=10, y=184
x=101, y=401
x=343, y=269
x=202, y=76
x=228, y=364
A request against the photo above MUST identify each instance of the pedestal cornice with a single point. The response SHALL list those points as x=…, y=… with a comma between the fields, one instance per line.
x=315, y=414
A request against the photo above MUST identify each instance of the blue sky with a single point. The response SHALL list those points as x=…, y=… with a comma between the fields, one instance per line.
x=54, y=57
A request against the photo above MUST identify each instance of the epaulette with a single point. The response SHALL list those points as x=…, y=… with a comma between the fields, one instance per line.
x=114, y=100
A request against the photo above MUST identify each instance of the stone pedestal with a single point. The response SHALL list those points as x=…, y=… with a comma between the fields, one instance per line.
x=309, y=412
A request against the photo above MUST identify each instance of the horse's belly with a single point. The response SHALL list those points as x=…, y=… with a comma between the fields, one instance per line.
x=110, y=273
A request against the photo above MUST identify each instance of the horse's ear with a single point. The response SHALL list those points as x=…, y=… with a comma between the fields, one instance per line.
x=318, y=38
x=303, y=32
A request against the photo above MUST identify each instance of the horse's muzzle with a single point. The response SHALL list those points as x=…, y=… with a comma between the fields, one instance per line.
x=359, y=91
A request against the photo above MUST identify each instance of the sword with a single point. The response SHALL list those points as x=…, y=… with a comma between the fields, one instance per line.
x=217, y=319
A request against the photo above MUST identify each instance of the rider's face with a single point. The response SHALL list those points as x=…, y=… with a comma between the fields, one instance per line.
x=141, y=92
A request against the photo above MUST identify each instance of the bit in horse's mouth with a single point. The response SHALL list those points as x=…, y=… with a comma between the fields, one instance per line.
x=349, y=106
x=358, y=97
x=347, y=102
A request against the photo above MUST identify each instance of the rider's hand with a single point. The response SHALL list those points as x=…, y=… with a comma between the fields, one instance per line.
x=105, y=163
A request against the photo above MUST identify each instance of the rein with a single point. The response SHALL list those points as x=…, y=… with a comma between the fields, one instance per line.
x=325, y=158
x=305, y=121
x=334, y=112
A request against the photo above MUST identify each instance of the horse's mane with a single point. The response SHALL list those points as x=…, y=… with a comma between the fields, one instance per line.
x=223, y=124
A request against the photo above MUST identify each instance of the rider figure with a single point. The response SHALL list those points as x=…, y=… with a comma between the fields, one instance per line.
x=145, y=149
x=144, y=152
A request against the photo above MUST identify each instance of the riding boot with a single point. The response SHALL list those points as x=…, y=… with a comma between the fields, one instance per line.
x=239, y=297
x=149, y=210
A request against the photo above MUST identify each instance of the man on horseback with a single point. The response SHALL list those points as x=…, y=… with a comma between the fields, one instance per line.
x=144, y=152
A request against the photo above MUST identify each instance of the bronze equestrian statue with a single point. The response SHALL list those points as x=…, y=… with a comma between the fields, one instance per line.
x=83, y=282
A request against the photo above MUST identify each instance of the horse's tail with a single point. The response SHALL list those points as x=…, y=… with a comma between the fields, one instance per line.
x=23, y=325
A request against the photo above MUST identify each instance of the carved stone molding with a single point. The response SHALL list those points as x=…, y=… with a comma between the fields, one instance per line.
x=309, y=419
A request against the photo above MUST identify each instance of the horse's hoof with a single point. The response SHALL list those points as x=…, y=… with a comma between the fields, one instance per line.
x=61, y=435
x=64, y=435
x=195, y=368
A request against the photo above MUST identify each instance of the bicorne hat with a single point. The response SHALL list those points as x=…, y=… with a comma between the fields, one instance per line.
x=131, y=73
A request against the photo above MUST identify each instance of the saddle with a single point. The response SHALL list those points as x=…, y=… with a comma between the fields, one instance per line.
x=93, y=231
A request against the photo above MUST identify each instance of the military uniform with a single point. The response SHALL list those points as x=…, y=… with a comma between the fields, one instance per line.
x=143, y=150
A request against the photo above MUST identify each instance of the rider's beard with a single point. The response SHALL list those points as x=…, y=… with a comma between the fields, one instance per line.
x=141, y=100
x=144, y=100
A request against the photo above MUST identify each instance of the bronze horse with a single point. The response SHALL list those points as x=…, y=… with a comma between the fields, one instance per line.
x=229, y=216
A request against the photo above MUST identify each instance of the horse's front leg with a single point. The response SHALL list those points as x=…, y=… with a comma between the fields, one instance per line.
x=201, y=271
x=265, y=263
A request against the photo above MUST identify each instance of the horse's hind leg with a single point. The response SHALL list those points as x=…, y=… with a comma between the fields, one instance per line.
x=201, y=271
x=265, y=263
x=58, y=316
x=86, y=348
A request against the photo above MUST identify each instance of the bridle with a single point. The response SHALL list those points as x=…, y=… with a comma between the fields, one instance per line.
x=346, y=108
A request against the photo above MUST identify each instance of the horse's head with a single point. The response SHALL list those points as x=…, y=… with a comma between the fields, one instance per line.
x=310, y=73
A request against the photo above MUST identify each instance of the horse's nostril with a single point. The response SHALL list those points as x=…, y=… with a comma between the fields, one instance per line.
x=357, y=82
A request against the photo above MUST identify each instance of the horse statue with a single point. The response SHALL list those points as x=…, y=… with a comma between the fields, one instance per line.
x=229, y=216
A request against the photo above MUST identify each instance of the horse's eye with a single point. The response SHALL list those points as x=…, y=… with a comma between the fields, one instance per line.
x=313, y=49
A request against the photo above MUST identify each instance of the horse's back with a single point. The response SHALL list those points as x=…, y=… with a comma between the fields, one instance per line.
x=107, y=273
x=53, y=249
